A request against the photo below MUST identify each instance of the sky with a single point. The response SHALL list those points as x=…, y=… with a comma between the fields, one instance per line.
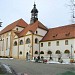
x=52, y=13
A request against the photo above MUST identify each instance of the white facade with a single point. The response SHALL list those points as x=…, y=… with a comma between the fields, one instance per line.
x=11, y=45
x=61, y=47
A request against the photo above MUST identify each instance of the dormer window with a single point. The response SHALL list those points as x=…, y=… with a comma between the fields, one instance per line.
x=67, y=34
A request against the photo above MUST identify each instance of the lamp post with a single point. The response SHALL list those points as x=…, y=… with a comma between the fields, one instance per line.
x=71, y=50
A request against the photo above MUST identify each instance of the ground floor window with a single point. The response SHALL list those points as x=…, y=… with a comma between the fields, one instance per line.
x=36, y=52
x=41, y=52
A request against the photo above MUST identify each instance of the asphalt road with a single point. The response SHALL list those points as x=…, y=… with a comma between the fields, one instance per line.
x=30, y=68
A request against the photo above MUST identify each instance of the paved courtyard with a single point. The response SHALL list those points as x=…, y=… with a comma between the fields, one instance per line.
x=22, y=66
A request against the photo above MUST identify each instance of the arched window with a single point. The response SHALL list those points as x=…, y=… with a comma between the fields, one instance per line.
x=67, y=51
x=49, y=52
x=21, y=42
x=27, y=41
x=57, y=52
x=41, y=52
x=36, y=40
x=15, y=43
x=36, y=52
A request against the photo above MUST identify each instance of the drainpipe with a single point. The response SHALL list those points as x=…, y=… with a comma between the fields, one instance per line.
x=32, y=45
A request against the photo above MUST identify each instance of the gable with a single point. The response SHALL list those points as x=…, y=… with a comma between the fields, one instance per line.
x=28, y=33
x=17, y=28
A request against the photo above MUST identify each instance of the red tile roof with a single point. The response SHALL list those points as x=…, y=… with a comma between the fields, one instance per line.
x=59, y=33
x=19, y=22
x=32, y=28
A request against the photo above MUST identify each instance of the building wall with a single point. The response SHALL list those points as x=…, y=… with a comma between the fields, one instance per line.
x=19, y=28
x=62, y=47
x=15, y=49
x=5, y=44
x=40, y=32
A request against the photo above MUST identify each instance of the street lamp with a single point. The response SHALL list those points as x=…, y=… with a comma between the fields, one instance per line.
x=71, y=50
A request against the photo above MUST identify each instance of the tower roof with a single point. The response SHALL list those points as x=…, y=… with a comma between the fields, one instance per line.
x=34, y=10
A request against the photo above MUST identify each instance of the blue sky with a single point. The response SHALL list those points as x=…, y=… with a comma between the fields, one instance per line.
x=52, y=13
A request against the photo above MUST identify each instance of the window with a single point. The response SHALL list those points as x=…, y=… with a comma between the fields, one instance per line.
x=36, y=32
x=41, y=44
x=20, y=52
x=49, y=43
x=36, y=40
x=57, y=52
x=67, y=51
x=36, y=52
x=15, y=43
x=66, y=42
x=21, y=42
x=57, y=43
x=17, y=29
x=27, y=41
x=41, y=52
x=49, y=52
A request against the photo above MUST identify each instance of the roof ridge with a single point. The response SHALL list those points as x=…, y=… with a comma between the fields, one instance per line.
x=70, y=25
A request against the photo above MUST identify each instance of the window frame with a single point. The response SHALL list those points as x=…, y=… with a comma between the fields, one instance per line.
x=36, y=41
x=15, y=43
x=21, y=42
x=28, y=41
x=41, y=44
x=57, y=43
x=66, y=42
